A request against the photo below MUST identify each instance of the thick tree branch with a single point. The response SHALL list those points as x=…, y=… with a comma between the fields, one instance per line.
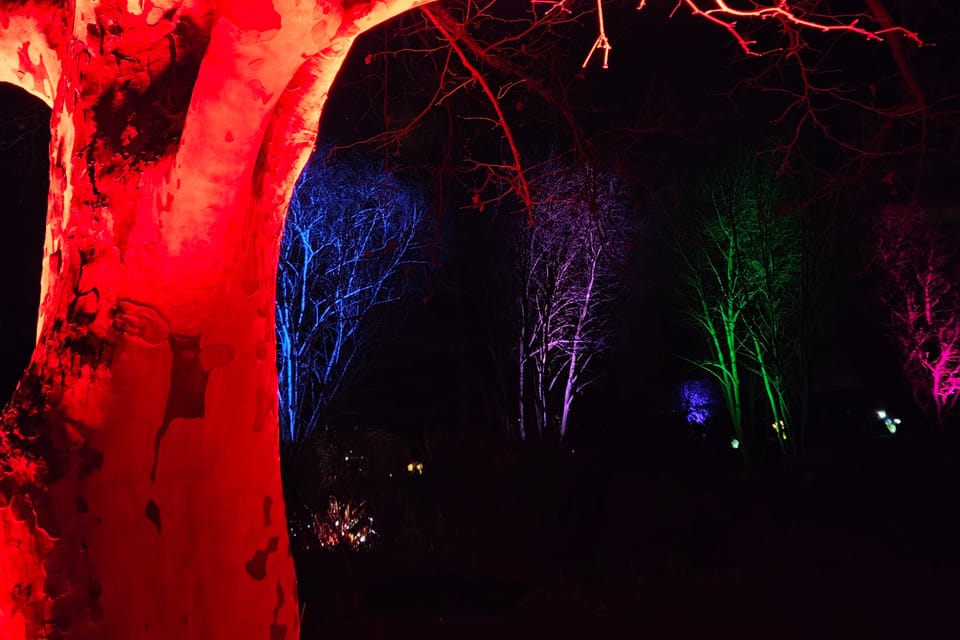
x=896, y=42
x=29, y=34
x=492, y=56
x=248, y=67
x=292, y=131
x=522, y=186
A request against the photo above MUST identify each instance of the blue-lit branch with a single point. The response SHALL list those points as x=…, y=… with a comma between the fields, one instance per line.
x=352, y=234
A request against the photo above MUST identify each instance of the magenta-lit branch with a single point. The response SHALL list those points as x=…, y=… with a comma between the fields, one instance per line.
x=919, y=262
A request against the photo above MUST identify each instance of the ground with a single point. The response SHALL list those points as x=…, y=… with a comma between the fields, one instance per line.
x=585, y=543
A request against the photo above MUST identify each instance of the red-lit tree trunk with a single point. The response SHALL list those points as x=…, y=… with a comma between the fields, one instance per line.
x=139, y=471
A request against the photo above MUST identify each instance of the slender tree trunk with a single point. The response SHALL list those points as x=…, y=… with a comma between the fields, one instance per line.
x=139, y=470
x=774, y=397
x=521, y=387
x=735, y=404
x=572, y=371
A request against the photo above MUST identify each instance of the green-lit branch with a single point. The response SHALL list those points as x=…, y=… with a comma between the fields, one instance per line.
x=743, y=269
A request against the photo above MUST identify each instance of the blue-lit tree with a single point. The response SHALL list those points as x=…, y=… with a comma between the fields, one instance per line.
x=352, y=236
x=570, y=264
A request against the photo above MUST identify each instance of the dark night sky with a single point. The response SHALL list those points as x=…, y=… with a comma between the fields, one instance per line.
x=676, y=70
x=23, y=181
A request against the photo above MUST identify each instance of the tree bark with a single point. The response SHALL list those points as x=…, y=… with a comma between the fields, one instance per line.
x=140, y=487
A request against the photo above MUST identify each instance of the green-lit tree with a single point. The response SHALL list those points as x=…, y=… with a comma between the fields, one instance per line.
x=741, y=257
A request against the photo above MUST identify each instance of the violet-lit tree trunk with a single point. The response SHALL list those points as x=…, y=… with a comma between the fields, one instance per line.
x=139, y=459
x=570, y=265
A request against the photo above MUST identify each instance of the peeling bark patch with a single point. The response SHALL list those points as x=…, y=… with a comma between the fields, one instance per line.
x=249, y=277
x=267, y=504
x=83, y=308
x=264, y=400
x=153, y=514
x=278, y=631
x=188, y=385
x=142, y=116
x=321, y=33
x=89, y=350
x=90, y=460
x=132, y=318
x=216, y=355
x=257, y=565
x=47, y=517
x=259, y=91
x=56, y=585
x=164, y=202
x=41, y=80
x=252, y=15
x=22, y=509
x=260, y=173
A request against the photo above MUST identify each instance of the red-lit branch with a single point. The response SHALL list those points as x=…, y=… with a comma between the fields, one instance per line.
x=722, y=14
x=522, y=186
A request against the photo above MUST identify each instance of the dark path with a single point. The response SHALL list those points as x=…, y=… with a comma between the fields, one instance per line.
x=849, y=546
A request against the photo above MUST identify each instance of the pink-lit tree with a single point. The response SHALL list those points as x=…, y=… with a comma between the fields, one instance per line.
x=139, y=472
x=920, y=265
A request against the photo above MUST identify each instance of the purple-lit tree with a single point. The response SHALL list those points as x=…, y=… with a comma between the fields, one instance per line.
x=353, y=233
x=569, y=267
x=920, y=263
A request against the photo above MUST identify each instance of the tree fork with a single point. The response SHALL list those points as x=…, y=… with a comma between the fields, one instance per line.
x=139, y=469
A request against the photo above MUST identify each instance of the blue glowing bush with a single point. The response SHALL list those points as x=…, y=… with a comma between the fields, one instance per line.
x=697, y=400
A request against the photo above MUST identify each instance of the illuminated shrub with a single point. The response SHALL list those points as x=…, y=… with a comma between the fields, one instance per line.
x=697, y=401
x=343, y=524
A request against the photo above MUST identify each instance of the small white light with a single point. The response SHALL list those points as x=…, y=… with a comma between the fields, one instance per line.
x=734, y=443
x=881, y=414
